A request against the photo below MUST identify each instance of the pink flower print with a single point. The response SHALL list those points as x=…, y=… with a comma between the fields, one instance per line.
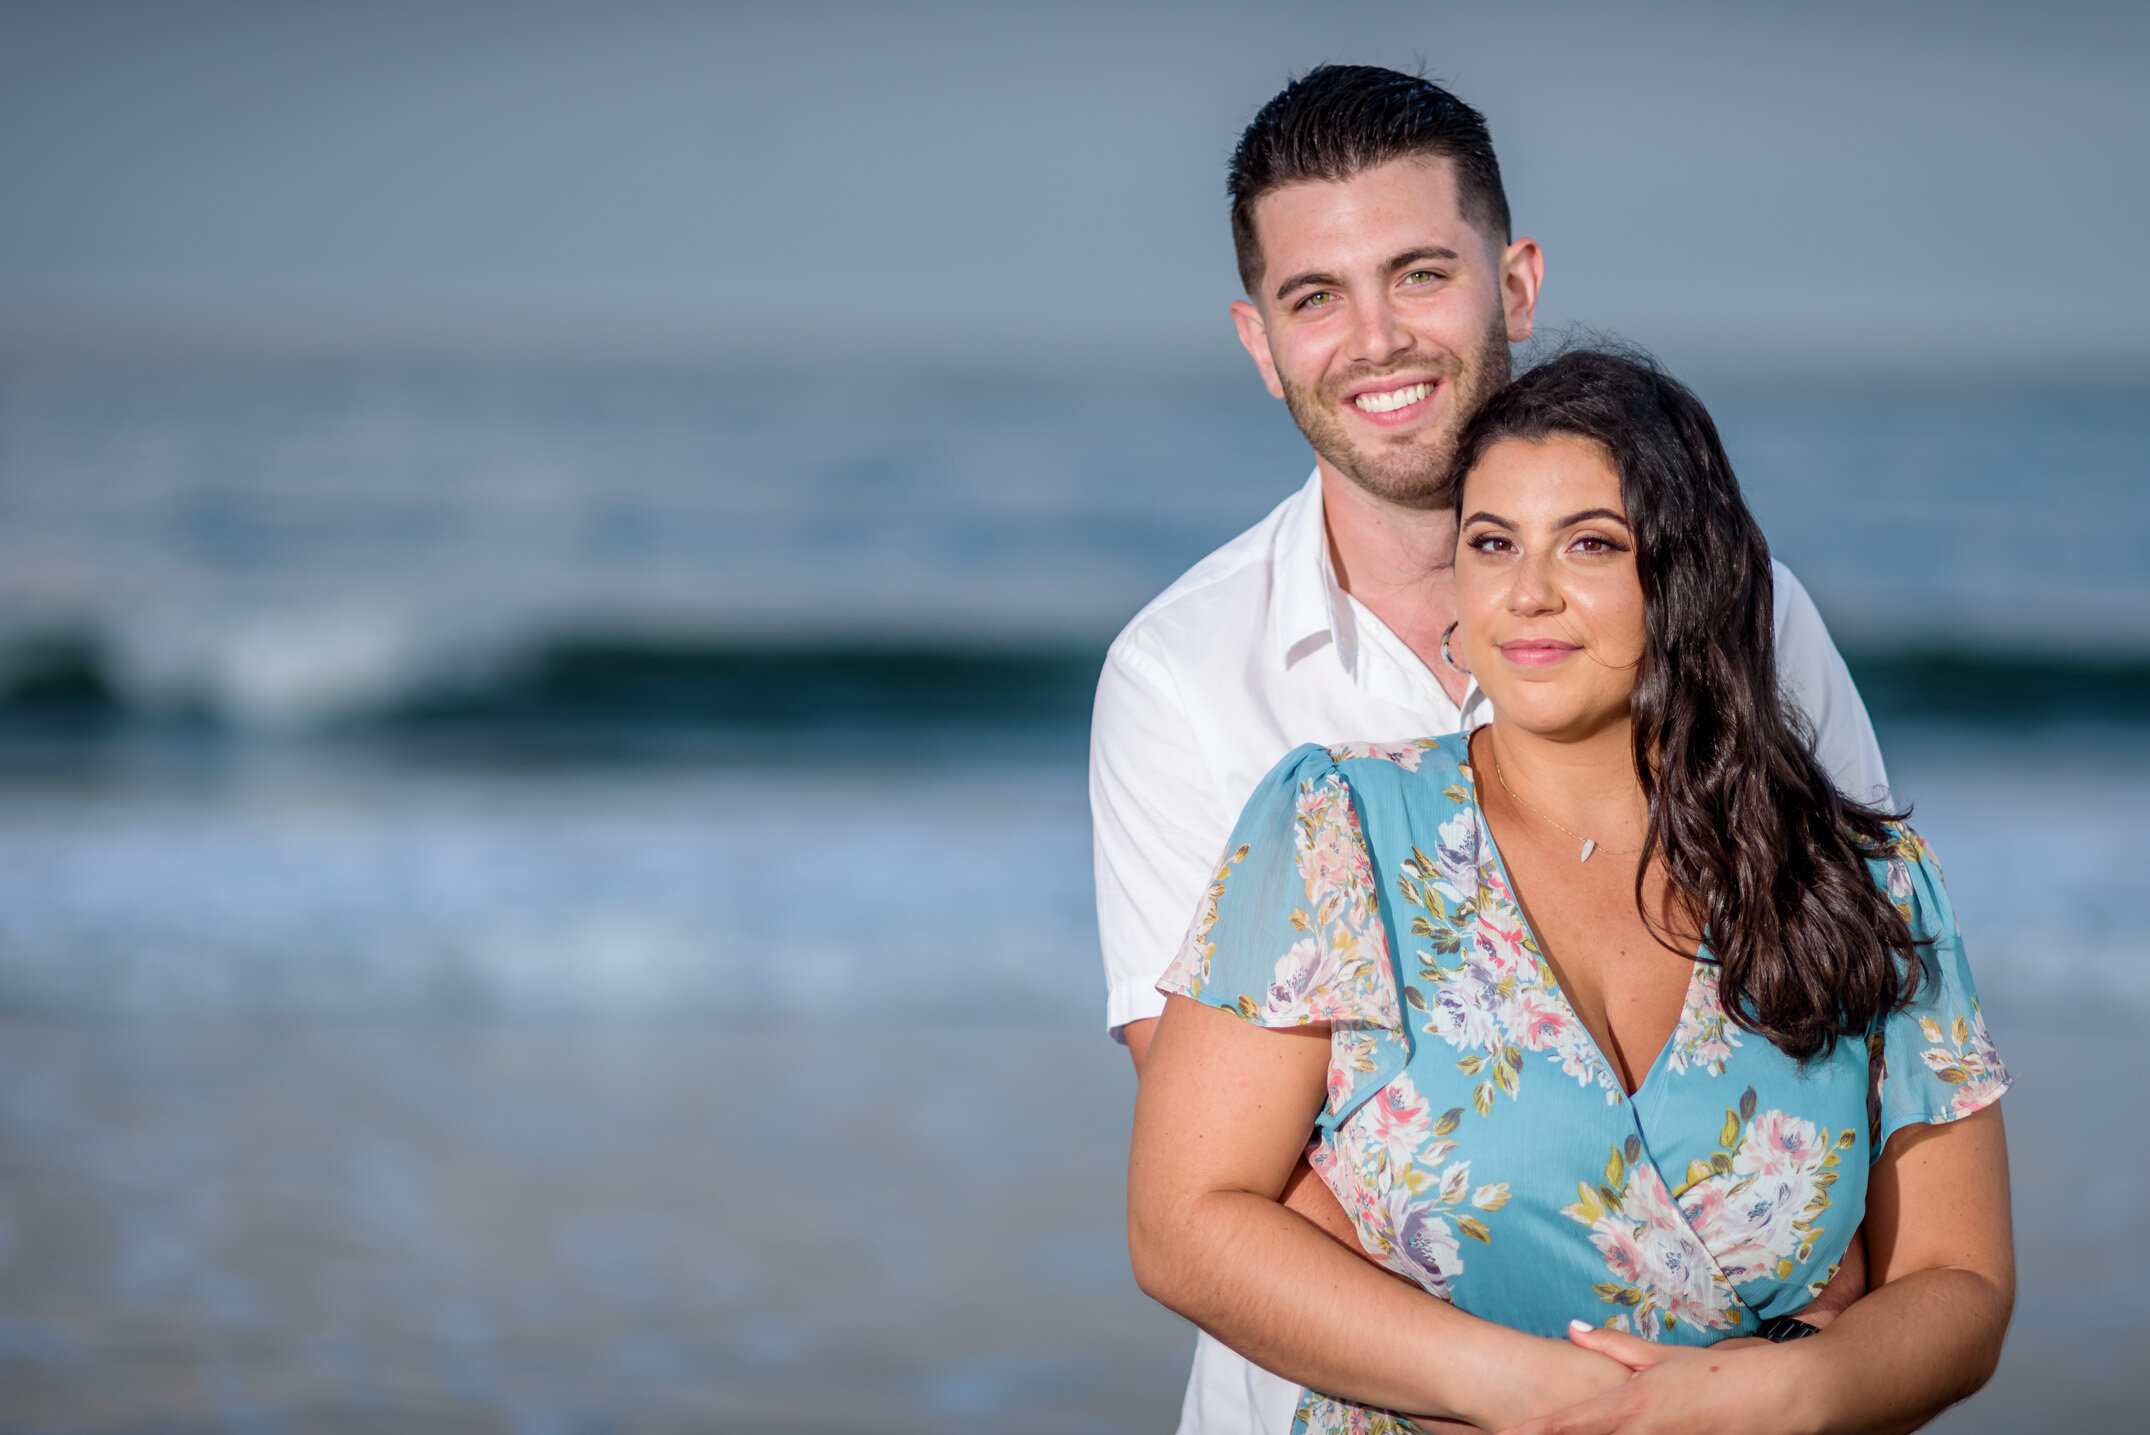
x=1542, y=1020
x=1664, y=1274
x=1977, y=1094
x=1779, y=1143
x=1401, y=1118
x=1405, y=755
x=1501, y=940
x=1332, y=858
x=1963, y=1055
x=1622, y=1252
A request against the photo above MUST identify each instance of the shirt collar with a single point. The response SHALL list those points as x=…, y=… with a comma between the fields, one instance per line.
x=1310, y=603
x=1313, y=611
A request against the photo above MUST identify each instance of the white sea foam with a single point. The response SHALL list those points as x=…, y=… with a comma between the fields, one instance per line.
x=891, y=891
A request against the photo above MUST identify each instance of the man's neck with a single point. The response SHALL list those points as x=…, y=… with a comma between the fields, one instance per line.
x=1395, y=560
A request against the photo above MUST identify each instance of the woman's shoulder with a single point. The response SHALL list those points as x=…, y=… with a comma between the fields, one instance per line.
x=1439, y=758
x=1375, y=776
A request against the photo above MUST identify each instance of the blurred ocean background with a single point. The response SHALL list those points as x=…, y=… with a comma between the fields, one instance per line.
x=552, y=565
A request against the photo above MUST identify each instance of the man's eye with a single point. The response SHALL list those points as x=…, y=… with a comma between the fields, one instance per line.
x=1317, y=299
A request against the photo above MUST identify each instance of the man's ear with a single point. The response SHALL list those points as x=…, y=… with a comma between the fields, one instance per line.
x=1522, y=271
x=1254, y=337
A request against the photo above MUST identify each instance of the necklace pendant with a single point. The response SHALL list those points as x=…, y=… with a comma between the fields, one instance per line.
x=1589, y=846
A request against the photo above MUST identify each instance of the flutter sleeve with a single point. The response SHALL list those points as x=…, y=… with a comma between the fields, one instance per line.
x=1290, y=931
x=1931, y=1062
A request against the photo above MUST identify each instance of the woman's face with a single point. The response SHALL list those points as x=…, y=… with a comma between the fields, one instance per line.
x=1548, y=605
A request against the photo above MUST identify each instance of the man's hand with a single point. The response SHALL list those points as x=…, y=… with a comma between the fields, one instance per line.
x=1845, y=1286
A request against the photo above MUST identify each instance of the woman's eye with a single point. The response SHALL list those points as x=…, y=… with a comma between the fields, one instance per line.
x=1490, y=543
x=1592, y=543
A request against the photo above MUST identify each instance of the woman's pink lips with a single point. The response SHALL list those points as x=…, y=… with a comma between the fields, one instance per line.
x=1537, y=652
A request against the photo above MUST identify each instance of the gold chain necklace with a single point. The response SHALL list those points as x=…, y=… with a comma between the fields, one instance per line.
x=1590, y=844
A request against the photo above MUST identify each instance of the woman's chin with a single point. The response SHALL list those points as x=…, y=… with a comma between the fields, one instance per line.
x=1562, y=723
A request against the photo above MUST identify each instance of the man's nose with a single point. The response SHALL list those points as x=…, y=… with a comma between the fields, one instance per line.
x=1379, y=337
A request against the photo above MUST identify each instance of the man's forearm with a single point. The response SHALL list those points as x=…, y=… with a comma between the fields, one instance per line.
x=1846, y=1285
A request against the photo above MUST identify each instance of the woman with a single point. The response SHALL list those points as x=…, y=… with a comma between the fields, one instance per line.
x=1611, y=1021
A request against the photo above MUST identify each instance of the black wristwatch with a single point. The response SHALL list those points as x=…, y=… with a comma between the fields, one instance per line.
x=1786, y=1327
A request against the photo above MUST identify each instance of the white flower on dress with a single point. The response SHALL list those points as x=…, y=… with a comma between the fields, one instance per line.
x=1390, y=1168
x=1704, y=1037
x=1757, y=1202
x=1663, y=1275
x=1964, y=1056
x=1484, y=989
x=1400, y=1117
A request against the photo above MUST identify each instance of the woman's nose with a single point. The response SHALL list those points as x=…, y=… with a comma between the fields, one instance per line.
x=1534, y=589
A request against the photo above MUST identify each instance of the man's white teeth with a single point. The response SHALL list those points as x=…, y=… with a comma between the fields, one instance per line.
x=1393, y=400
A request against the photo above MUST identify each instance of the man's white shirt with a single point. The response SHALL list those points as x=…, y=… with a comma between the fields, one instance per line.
x=1255, y=650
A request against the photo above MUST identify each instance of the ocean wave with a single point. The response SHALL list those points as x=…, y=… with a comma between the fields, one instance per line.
x=290, y=675
x=356, y=669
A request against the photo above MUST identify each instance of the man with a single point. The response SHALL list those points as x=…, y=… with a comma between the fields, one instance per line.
x=1383, y=288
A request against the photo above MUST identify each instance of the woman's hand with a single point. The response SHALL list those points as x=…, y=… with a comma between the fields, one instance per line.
x=1550, y=1376
x=1736, y=1387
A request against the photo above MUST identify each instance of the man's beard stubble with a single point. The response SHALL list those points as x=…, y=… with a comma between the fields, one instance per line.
x=1414, y=475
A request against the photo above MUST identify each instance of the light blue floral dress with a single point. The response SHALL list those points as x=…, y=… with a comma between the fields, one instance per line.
x=1478, y=1139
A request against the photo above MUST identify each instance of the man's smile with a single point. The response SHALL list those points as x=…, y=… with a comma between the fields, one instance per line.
x=1397, y=405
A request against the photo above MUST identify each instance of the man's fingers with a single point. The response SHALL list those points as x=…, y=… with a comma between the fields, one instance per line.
x=1631, y=1351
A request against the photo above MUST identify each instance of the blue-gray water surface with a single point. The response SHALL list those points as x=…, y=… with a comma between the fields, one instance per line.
x=669, y=1054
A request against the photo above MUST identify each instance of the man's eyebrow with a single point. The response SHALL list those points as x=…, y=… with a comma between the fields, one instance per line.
x=1589, y=513
x=1310, y=277
x=1420, y=255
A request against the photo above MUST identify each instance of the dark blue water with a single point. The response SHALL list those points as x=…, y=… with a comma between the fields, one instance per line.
x=283, y=548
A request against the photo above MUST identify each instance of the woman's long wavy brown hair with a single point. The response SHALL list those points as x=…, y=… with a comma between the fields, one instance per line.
x=1753, y=834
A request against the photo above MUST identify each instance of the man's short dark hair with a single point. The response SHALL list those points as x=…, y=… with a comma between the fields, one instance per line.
x=1337, y=121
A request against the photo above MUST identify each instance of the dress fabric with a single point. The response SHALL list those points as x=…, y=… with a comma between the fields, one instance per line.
x=1480, y=1142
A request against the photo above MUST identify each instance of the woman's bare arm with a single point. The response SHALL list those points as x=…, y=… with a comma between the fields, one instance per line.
x=1928, y=1335
x=1942, y=1248
x=1303, y=1190
x=1223, y=1113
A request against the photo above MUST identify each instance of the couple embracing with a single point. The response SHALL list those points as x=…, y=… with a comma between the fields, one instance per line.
x=1543, y=1021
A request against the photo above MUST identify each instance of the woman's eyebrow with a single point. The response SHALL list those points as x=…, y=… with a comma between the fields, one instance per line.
x=1493, y=518
x=1589, y=513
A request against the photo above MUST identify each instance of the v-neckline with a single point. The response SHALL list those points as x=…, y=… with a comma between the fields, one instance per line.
x=1545, y=967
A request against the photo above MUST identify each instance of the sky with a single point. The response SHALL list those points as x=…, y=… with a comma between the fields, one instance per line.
x=833, y=184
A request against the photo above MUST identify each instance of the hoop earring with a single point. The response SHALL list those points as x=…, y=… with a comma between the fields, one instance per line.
x=1445, y=633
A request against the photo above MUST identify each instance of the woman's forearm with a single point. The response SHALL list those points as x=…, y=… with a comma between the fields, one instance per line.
x=1904, y=1353
x=1274, y=1287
